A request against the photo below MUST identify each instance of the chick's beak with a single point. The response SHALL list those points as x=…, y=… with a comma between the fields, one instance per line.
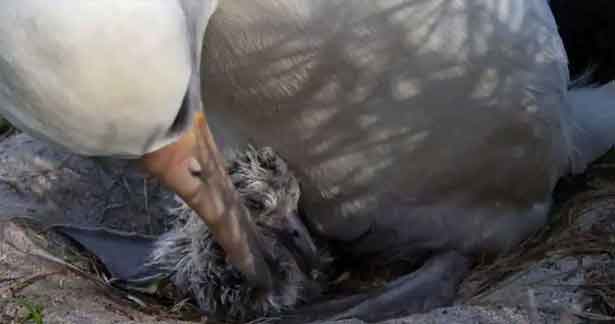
x=302, y=244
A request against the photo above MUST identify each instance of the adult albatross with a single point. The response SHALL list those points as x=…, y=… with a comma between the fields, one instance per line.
x=427, y=129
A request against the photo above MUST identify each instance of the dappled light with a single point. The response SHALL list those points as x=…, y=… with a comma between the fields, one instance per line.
x=390, y=95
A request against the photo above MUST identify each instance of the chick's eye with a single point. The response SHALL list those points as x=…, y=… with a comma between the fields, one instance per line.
x=295, y=233
x=255, y=204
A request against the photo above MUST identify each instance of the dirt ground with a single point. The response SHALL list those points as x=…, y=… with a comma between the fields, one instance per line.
x=37, y=291
x=563, y=275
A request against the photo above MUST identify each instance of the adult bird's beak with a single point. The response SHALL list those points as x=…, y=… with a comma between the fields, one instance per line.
x=218, y=204
x=215, y=200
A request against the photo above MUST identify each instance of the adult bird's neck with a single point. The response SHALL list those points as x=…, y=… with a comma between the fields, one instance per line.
x=198, y=13
x=215, y=199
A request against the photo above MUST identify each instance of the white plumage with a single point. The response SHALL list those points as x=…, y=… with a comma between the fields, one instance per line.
x=96, y=77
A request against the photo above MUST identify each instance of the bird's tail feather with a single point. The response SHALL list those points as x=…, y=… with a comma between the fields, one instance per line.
x=592, y=123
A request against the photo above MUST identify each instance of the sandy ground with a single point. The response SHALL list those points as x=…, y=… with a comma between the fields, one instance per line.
x=559, y=280
x=62, y=296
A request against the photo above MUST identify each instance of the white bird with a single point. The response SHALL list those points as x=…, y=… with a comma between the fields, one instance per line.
x=434, y=129
x=120, y=78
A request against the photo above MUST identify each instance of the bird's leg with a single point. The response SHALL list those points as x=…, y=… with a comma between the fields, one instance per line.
x=431, y=286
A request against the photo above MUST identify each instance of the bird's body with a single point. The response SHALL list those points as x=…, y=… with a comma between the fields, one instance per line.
x=417, y=128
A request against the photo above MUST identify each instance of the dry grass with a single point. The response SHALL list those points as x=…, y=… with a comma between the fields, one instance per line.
x=568, y=235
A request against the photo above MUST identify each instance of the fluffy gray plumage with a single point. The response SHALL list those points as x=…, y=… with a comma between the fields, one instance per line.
x=197, y=264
